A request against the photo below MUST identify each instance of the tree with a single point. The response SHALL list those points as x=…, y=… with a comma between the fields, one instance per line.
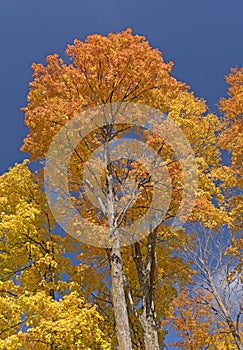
x=216, y=289
x=231, y=141
x=123, y=68
x=197, y=326
x=39, y=310
x=215, y=250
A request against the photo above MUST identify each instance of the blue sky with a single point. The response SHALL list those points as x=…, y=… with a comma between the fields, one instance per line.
x=203, y=38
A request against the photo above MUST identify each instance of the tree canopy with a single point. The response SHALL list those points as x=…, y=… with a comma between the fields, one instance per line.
x=59, y=292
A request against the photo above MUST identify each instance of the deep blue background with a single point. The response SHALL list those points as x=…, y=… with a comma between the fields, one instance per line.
x=203, y=38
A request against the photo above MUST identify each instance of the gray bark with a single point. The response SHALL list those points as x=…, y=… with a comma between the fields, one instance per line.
x=146, y=275
x=119, y=300
x=117, y=275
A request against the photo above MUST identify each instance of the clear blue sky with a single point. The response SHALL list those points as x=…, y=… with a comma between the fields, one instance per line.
x=203, y=38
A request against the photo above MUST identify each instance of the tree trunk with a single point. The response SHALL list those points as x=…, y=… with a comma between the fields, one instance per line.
x=118, y=293
x=151, y=340
x=119, y=300
x=146, y=276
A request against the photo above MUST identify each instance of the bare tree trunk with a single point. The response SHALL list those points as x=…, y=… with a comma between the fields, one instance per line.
x=119, y=300
x=151, y=340
x=146, y=275
x=117, y=275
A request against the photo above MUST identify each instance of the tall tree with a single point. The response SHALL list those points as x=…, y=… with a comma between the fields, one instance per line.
x=104, y=69
x=215, y=249
x=38, y=308
x=123, y=68
x=231, y=140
